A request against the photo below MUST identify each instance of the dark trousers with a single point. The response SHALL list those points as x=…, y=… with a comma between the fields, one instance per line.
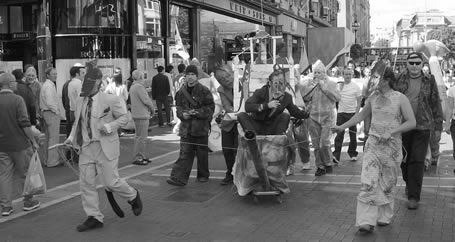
x=230, y=142
x=69, y=122
x=276, y=126
x=167, y=107
x=415, y=144
x=352, y=150
x=189, y=147
x=452, y=133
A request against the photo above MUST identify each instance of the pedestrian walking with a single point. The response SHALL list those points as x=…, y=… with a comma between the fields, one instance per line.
x=391, y=115
x=49, y=106
x=141, y=108
x=348, y=106
x=27, y=94
x=195, y=108
x=16, y=144
x=116, y=86
x=160, y=93
x=98, y=117
x=35, y=85
x=229, y=131
x=321, y=94
x=423, y=95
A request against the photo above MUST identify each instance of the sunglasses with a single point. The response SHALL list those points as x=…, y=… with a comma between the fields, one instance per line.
x=414, y=63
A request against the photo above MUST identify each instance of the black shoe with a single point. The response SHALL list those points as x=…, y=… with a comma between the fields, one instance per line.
x=203, y=179
x=174, y=182
x=413, y=204
x=136, y=204
x=89, y=224
x=328, y=169
x=227, y=180
x=335, y=161
x=320, y=172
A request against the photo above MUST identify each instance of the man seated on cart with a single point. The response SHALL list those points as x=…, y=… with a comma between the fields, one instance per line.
x=264, y=116
x=264, y=109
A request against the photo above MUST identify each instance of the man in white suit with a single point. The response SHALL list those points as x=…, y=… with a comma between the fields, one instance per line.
x=97, y=118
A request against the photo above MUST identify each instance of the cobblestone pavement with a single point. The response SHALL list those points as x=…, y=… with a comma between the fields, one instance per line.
x=317, y=209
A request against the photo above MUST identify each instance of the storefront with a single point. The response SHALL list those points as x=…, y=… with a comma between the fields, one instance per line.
x=215, y=26
x=294, y=33
x=18, y=25
x=128, y=34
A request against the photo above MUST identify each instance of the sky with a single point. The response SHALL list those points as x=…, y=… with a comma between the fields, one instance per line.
x=385, y=13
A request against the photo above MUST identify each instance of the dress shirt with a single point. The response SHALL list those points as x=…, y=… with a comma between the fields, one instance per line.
x=48, y=97
x=74, y=91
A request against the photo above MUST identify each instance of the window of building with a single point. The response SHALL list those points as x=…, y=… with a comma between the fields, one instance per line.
x=218, y=44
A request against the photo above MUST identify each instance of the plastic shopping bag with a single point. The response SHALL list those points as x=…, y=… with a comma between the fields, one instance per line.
x=34, y=182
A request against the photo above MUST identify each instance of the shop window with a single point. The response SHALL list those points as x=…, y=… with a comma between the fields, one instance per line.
x=218, y=39
x=3, y=19
x=16, y=23
x=91, y=16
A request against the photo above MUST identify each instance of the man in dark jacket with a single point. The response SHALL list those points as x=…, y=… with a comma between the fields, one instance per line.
x=160, y=92
x=27, y=94
x=264, y=110
x=195, y=108
x=423, y=95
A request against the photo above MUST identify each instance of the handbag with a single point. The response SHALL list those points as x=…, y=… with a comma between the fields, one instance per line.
x=35, y=182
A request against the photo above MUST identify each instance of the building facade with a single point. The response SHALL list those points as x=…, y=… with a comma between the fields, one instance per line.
x=421, y=26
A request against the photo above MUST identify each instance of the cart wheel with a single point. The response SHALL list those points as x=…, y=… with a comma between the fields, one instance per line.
x=279, y=198
x=255, y=199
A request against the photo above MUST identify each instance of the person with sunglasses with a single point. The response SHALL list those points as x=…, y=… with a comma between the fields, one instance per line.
x=422, y=92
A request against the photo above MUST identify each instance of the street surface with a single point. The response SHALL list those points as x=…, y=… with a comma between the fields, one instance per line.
x=317, y=209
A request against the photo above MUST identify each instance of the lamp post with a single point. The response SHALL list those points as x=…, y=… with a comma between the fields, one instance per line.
x=355, y=26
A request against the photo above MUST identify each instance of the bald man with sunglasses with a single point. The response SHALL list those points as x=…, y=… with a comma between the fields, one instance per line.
x=422, y=92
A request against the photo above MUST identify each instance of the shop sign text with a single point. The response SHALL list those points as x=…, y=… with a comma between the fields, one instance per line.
x=252, y=13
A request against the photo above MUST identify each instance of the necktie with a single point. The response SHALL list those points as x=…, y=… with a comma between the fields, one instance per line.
x=89, y=117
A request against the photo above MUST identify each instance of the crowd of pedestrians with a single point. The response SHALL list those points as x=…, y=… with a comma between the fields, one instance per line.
x=401, y=113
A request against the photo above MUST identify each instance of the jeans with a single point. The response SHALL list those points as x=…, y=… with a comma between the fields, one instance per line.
x=352, y=150
x=415, y=143
x=140, y=138
x=191, y=146
x=9, y=161
x=52, y=137
x=276, y=126
x=435, y=137
x=167, y=107
x=320, y=138
x=229, y=142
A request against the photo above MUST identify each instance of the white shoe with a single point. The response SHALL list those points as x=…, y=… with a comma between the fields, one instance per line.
x=354, y=158
x=290, y=170
x=306, y=166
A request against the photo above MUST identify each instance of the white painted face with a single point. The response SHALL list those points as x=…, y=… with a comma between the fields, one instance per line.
x=278, y=85
x=318, y=74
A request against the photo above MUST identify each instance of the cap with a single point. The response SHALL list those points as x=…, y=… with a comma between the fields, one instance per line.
x=192, y=69
x=414, y=55
x=78, y=65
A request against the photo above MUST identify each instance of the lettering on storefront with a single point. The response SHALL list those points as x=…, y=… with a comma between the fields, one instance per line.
x=252, y=13
x=93, y=47
x=20, y=36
